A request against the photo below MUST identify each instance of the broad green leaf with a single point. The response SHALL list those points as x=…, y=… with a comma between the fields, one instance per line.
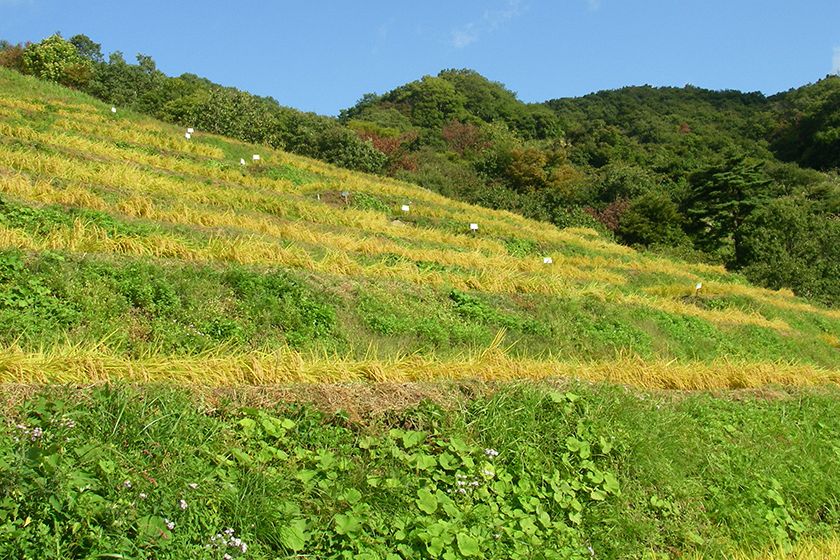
x=606, y=446
x=424, y=461
x=611, y=484
x=459, y=446
x=598, y=495
x=467, y=545
x=448, y=461
x=347, y=524
x=351, y=496
x=435, y=546
x=412, y=438
x=426, y=501
x=294, y=535
x=306, y=475
x=545, y=519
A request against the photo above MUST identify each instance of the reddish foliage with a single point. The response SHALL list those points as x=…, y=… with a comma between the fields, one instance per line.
x=610, y=216
x=395, y=147
x=12, y=57
x=464, y=137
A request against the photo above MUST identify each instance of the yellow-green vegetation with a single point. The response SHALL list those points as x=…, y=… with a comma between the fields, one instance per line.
x=128, y=251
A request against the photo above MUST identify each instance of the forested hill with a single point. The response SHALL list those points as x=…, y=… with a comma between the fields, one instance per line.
x=725, y=177
x=719, y=176
x=650, y=125
x=653, y=126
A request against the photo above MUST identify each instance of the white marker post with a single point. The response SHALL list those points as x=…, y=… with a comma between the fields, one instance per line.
x=473, y=228
x=190, y=130
x=241, y=161
x=187, y=135
x=405, y=208
x=113, y=109
x=548, y=260
x=255, y=157
x=697, y=288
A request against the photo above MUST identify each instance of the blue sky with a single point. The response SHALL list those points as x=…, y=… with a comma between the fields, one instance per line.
x=322, y=56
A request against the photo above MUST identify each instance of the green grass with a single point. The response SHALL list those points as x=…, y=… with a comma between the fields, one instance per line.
x=631, y=475
x=145, y=306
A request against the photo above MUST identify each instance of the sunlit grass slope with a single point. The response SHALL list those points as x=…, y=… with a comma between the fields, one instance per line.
x=130, y=251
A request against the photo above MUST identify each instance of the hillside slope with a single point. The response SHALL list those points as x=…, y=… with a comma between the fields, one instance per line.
x=640, y=164
x=131, y=251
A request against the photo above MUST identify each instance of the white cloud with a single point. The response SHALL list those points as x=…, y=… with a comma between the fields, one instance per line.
x=383, y=33
x=835, y=61
x=464, y=36
x=490, y=21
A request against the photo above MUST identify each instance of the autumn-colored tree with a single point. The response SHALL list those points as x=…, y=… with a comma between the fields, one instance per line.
x=11, y=56
x=464, y=138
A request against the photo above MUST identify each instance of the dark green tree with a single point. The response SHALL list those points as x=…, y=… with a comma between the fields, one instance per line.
x=652, y=218
x=786, y=244
x=430, y=102
x=87, y=48
x=722, y=196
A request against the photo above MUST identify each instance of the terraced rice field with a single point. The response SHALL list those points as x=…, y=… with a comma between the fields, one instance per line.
x=131, y=252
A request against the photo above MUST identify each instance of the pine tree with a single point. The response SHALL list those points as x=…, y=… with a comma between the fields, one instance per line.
x=721, y=199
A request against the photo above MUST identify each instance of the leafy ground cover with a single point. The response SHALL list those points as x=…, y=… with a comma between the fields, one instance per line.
x=571, y=471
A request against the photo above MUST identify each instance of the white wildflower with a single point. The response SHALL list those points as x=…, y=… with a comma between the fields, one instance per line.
x=182, y=504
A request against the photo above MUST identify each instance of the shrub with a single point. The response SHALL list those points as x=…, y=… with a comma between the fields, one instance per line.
x=57, y=60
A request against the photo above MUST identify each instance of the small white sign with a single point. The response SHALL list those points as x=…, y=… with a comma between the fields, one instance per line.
x=405, y=208
x=113, y=109
x=241, y=161
x=698, y=286
x=255, y=157
x=473, y=227
x=548, y=260
x=190, y=130
x=187, y=135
